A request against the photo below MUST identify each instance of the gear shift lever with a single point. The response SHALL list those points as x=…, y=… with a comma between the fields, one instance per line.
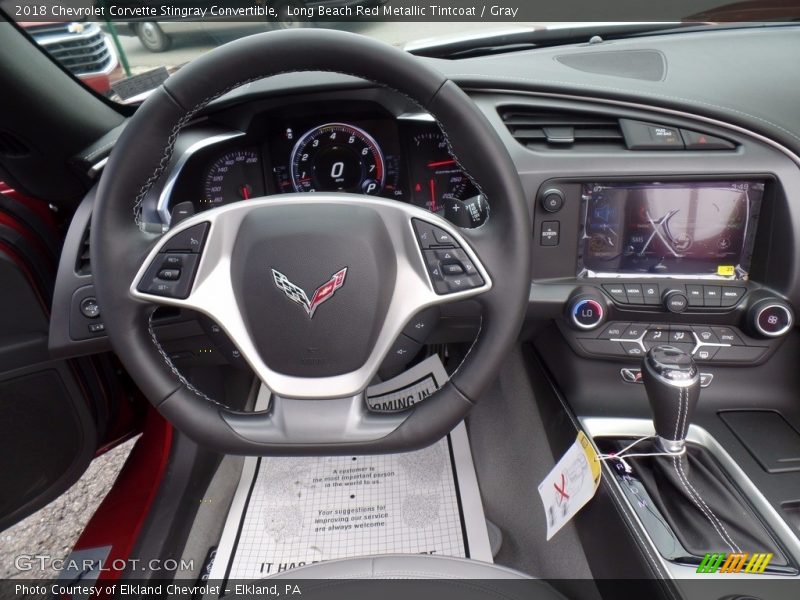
x=672, y=382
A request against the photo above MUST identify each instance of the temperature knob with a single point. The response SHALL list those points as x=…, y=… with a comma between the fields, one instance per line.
x=586, y=312
x=771, y=318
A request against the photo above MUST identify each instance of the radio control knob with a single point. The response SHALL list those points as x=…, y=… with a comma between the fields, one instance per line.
x=771, y=318
x=675, y=301
x=586, y=312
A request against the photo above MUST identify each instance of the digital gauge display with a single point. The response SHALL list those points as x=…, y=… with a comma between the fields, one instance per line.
x=337, y=157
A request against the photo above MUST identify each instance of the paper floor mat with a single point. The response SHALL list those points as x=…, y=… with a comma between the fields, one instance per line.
x=289, y=512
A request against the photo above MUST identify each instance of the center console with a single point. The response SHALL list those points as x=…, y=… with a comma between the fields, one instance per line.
x=628, y=267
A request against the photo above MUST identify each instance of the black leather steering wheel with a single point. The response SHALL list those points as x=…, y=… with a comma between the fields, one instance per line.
x=246, y=264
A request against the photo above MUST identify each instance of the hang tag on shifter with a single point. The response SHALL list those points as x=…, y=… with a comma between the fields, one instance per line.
x=570, y=485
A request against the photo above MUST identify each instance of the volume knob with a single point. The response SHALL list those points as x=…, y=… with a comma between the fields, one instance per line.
x=675, y=301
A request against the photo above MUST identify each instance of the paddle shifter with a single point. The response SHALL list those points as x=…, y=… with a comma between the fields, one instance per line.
x=672, y=382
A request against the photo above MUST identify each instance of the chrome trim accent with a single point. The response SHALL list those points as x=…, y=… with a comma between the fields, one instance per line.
x=97, y=168
x=589, y=274
x=631, y=375
x=597, y=427
x=213, y=294
x=420, y=116
x=789, y=324
x=162, y=208
x=678, y=383
x=670, y=446
x=593, y=325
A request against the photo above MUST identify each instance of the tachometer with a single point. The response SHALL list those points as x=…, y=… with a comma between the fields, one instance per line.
x=234, y=176
x=337, y=157
x=440, y=185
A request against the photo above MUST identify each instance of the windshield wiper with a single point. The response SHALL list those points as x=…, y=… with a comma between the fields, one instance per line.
x=525, y=38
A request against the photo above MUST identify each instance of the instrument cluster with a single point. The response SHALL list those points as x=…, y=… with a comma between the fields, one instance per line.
x=307, y=150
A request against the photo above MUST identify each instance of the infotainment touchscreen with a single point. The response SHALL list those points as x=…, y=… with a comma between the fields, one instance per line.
x=698, y=228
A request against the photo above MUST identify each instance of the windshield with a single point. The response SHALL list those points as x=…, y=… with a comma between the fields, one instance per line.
x=124, y=49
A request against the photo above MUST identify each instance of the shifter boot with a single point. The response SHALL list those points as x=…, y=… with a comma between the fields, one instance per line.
x=706, y=512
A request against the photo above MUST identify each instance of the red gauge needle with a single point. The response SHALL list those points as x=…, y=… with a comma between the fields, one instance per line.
x=245, y=191
x=441, y=163
x=432, y=187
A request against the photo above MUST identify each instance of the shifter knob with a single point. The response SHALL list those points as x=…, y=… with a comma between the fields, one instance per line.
x=672, y=382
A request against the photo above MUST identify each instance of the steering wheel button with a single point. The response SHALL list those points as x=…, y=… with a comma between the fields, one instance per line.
x=163, y=288
x=424, y=233
x=169, y=274
x=441, y=237
x=401, y=353
x=173, y=261
x=453, y=269
x=422, y=324
x=188, y=240
x=161, y=281
x=448, y=255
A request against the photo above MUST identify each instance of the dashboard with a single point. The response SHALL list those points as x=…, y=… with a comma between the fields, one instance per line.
x=357, y=148
x=665, y=208
x=643, y=218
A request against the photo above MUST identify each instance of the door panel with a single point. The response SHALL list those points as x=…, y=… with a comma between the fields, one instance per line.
x=48, y=411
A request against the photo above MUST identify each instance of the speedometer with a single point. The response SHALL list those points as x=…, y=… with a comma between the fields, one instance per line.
x=337, y=157
x=233, y=176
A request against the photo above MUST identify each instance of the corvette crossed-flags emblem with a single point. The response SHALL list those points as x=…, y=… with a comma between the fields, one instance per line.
x=297, y=294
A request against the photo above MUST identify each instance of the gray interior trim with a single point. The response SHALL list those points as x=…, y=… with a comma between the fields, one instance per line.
x=647, y=107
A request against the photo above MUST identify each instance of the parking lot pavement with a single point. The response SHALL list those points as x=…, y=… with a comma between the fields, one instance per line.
x=53, y=530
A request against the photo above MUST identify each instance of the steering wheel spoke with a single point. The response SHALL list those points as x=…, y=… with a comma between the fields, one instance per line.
x=426, y=262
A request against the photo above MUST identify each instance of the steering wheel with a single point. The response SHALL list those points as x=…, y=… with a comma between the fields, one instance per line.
x=251, y=266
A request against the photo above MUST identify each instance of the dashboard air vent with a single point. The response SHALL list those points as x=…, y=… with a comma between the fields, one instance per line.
x=83, y=265
x=541, y=129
